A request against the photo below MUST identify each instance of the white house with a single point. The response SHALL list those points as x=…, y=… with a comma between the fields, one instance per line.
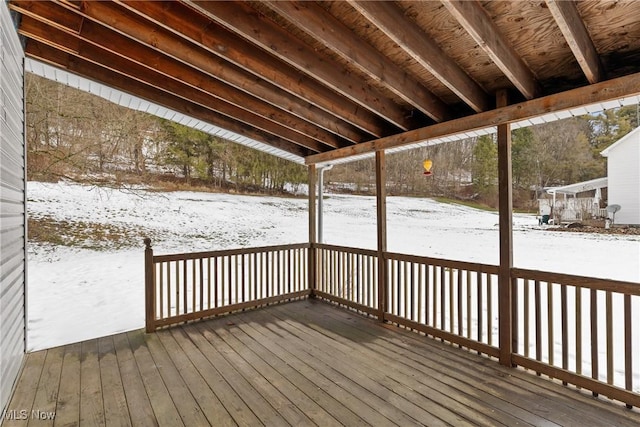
x=623, y=171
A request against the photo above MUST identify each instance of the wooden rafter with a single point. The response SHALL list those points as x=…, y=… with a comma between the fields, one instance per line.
x=475, y=20
x=568, y=19
x=65, y=60
x=144, y=55
x=227, y=52
x=243, y=20
x=332, y=80
x=390, y=20
x=160, y=72
x=316, y=22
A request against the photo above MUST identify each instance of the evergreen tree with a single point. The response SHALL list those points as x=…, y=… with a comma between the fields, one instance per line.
x=485, y=165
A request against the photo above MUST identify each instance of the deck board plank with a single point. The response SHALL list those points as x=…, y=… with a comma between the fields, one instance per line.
x=91, y=399
x=233, y=403
x=277, y=399
x=140, y=409
x=284, y=365
x=212, y=408
x=444, y=401
x=116, y=412
x=245, y=389
x=264, y=364
x=187, y=407
x=47, y=395
x=163, y=406
x=372, y=400
x=26, y=390
x=301, y=363
x=68, y=405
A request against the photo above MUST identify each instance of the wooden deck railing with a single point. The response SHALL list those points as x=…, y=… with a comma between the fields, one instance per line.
x=579, y=330
x=185, y=287
x=589, y=338
x=348, y=276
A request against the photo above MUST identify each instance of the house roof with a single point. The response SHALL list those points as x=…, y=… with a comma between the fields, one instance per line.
x=628, y=137
x=580, y=187
x=328, y=80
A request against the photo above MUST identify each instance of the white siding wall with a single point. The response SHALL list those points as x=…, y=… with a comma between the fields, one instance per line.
x=624, y=180
x=12, y=207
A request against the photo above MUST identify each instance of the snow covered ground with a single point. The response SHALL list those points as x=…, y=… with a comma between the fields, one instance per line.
x=76, y=294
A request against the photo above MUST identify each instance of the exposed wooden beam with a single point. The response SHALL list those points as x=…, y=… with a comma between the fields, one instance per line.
x=203, y=88
x=240, y=18
x=477, y=22
x=413, y=40
x=322, y=26
x=568, y=19
x=599, y=92
x=180, y=47
x=123, y=81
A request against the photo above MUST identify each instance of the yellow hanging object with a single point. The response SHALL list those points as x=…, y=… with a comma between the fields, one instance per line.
x=427, y=166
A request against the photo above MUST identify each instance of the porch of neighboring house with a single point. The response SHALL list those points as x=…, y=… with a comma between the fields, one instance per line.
x=576, y=202
x=301, y=363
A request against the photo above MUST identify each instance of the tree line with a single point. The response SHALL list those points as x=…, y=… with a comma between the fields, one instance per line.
x=552, y=154
x=75, y=135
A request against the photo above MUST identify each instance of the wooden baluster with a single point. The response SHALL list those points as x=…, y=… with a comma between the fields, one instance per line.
x=489, y=310
x=160, y=291
x=628, y=346
x=168, y=289
x=479, y=305
x=469, y=304
x=459, y=300
x=526, y=327
x=185, y=284
x=550, y=341
x=594, y=336
x=443, y=295
x=420, y=293
x=578, y=301
x=452, y=314
x=435, y=299
x=609, y=325
x=177, y=288
x=150, y=287
x=209, y=282
x=565, y=328
x=538, y=299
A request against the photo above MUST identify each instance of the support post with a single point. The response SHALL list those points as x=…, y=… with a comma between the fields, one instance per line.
x=381, y=215
x=505, y=196
x=313, y=259
x=149, y=285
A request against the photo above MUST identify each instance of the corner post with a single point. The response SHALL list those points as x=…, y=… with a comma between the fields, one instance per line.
x=312, y=258
x=505, y=196
x=149, y=287
x=381, y=214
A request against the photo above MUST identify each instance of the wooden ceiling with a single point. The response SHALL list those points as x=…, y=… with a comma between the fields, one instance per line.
x=324, y=80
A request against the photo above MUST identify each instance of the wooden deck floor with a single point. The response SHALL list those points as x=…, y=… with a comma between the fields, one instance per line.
x=302, y=363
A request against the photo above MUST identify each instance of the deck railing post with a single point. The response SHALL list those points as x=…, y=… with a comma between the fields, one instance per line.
x=381, y=213
x=149, y=286
x=312, y=259
x=505, y=284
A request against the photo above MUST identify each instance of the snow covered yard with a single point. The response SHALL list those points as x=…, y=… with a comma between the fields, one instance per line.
x=96, y=287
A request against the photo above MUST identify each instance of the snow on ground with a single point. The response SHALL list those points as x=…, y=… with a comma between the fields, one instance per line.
x=76, y=294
